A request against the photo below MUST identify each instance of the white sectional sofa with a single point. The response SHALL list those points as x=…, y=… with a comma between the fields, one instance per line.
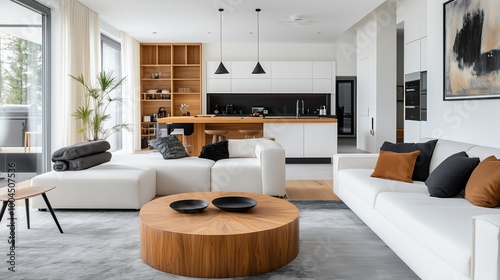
x=129, y=181
x=438, y=238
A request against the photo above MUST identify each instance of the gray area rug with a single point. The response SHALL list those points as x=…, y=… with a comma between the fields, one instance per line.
x=334, y=244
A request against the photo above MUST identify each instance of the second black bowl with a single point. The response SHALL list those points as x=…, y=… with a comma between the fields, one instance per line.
x=234, y=203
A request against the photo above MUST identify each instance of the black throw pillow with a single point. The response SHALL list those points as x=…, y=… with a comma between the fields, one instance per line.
x=215, y=151
x=169, y=147
x=451, y=176
x=421, y=170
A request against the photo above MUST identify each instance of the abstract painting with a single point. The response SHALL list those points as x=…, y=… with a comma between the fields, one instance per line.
x=471, y=49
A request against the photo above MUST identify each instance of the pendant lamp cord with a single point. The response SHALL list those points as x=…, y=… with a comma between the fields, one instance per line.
x=258, y=35
x=220, y=32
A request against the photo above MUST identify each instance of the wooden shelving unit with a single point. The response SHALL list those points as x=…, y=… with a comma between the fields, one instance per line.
x=174, y=71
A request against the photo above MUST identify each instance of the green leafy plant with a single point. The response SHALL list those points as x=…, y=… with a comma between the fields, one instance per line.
x=93, y=114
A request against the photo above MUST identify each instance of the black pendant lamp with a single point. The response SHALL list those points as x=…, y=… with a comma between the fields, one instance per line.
x=221, y=69
x=258, y=68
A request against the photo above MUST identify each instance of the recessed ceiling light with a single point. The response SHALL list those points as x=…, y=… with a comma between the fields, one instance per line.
x=209, y=32
x=319, y=33
x=154, y=32
x=250, y=32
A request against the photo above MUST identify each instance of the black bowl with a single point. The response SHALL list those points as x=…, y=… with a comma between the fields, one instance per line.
x=234, y=203
x=189, y=206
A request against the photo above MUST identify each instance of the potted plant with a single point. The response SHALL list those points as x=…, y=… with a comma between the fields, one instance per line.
x=93, y=114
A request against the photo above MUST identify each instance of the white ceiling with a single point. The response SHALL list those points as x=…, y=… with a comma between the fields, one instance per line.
x=198, y=20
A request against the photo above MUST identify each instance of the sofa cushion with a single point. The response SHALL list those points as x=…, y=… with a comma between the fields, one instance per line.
x=367, y=188
x=442, y=226
x=215, y=151
x=421, y=171
x=395, y=166
x=451, y=176
x=189, y=174
x=169, y=147
x=244, y=147
x=237, y=175
x=483, y=188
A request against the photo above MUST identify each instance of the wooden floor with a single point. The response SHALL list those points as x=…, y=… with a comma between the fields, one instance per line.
x=310, y=190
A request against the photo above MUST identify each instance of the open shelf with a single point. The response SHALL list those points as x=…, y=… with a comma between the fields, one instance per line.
x=173, y=67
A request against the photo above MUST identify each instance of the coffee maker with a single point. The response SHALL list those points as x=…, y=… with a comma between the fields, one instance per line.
x=229, y=109
x=162, y=112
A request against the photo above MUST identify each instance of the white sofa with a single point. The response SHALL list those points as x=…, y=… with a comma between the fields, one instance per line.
x=129, y=181
x=438, y=238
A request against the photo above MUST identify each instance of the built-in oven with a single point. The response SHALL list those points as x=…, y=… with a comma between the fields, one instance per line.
x=412, y=96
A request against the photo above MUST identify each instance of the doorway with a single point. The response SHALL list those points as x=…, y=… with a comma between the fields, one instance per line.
x=345, y=101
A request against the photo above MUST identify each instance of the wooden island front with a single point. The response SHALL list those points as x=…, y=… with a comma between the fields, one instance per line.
x=198, y=139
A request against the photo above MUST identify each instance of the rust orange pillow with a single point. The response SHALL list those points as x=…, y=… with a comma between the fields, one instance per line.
x=483, y=187
x=395, y=166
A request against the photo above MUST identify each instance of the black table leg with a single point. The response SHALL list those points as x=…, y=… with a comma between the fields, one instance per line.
x=51, y=211
x=4, y=206
x=27, y=203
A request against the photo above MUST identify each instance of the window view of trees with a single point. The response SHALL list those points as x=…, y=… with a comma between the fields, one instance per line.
x=20, y=71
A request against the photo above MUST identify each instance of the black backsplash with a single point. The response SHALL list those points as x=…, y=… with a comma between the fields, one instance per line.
x=276, y=104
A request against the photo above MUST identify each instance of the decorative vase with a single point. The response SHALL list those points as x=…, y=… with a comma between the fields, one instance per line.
x=186, y=114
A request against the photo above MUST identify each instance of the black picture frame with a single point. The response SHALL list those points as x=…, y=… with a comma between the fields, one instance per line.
x=471, y=58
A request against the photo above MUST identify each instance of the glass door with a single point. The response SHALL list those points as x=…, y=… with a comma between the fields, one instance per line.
x=345, y=106
x=23, y=88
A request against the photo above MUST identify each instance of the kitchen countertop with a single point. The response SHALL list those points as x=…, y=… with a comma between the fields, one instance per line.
x=243, y=119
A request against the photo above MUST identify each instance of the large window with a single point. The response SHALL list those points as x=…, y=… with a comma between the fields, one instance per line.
x=111, y=61
x=24, y=87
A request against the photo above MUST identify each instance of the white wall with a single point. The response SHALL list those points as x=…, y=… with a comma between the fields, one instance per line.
x=347, y=53
x=376, y=76
x=473, y=121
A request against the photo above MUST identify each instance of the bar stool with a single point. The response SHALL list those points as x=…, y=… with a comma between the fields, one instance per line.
x=218, y=135
x=181, y=129
x=250, y=133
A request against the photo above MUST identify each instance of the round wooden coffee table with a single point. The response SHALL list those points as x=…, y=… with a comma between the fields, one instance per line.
x=218, y=244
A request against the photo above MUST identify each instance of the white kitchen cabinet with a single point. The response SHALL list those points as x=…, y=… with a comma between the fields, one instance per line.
x=423, y=54
x=291, y=85
x=251, y=85
x=243, y=70
x=219, y=85
x=322, y=70
x=280, y=77
x=320, y=139
x=304, y=140
x=322, y=86
x=289, y=135
x=412, y=57
x=291, y=70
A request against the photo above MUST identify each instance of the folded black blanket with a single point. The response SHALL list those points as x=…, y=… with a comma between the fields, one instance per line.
x=82, y=163
x=81, y=149
x=60, y=165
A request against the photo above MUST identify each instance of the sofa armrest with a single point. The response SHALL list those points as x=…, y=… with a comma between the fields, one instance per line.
x=271, y=156
x=352, y=161
x=486, y=247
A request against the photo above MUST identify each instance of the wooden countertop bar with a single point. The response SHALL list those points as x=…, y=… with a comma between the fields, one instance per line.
x=233, y=124
x=242, y=120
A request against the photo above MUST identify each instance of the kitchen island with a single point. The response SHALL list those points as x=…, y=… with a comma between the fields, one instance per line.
x=305, y=139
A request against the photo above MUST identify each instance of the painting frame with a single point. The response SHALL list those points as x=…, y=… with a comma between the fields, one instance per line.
x=471, y=58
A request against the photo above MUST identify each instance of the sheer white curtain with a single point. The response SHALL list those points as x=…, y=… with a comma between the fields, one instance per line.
x=131, y=92
x=81, y=37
